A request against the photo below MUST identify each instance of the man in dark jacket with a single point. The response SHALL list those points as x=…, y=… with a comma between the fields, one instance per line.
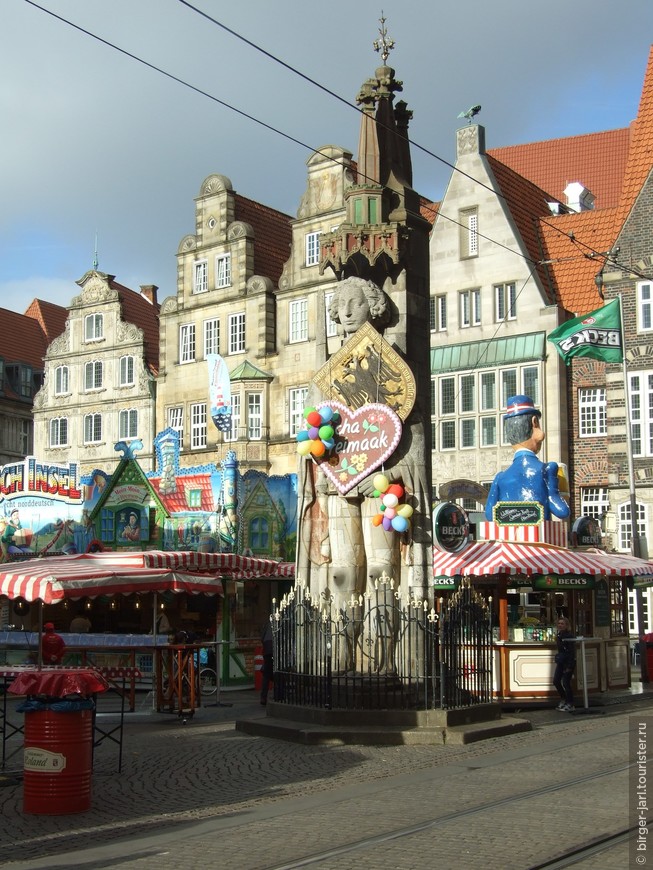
x=565, y=663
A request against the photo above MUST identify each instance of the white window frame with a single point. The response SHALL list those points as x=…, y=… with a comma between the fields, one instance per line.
x=640, y=405
x=234, y=432
x=594, y=501
x=198, y=429
x=255, y=416
x=505, y=301
x=93, y=375
x=468, y=221
x=211, y=336
x=470, y=307
x=127, y=368
x=128, y=424
x=58, y=429
x=61, y=380
x=93, y=327
x=200, y=276
x=312, y=248
x=237, y=332
x=331, y=325
x=176, y=421
x=441, y=313
x=186, y=343
x=93, y=428
x=297, y=397
x=624, y=525
x=223, y=270
x=645, y=306
x=592, y=412
x=298, y=320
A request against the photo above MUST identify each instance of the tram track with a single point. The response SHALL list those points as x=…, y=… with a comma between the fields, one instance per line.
x=574, y=856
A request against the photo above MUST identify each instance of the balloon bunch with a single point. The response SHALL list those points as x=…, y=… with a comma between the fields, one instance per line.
x=393, y=516
x=318, y=437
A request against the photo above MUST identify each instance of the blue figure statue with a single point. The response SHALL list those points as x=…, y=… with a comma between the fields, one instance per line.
x=528, y=478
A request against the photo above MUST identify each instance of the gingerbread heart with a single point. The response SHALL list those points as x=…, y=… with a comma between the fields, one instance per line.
x=364, y=438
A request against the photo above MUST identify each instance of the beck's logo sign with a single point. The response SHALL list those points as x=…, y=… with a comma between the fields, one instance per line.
x=450, y=527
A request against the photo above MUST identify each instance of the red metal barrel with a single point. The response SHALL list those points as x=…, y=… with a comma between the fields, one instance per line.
x=58, y=762
x=258, y=668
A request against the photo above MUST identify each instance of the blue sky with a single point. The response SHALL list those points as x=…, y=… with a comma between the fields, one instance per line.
x=95, y=142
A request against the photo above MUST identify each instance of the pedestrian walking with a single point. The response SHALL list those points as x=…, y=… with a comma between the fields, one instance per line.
x=565, y=661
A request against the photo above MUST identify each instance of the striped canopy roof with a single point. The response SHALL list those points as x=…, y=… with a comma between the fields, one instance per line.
x=484, y=558
x=51, y=579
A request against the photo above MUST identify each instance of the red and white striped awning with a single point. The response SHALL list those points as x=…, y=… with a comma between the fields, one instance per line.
x=225, y=564
x=487, y=558
x=51, y=579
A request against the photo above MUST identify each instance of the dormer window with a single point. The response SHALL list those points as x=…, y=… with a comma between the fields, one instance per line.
x=200, y=277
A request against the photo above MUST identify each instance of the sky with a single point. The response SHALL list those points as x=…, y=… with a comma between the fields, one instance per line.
x=99, y=146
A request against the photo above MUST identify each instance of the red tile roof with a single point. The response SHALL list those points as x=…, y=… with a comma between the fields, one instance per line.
x=22, y=339
x=273, y=236
x=527, y=203
x=177, y=502
x=137, y=310
x=596, y=160
x=51, y=317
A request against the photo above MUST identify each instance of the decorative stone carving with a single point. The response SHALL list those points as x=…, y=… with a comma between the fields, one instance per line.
x=188, y=243
x=467, y=140
x=214, y=184
x=259, y=284
x=240, y=230
x=169, y=305
x=128, y=332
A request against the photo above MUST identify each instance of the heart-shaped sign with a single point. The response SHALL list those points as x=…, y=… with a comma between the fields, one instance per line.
x=365, y=438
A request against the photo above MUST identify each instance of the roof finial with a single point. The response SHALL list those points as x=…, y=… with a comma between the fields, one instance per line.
x=95, y=260
x=384, y=45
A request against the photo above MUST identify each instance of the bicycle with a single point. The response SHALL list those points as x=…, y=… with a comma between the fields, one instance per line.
x=208, y=681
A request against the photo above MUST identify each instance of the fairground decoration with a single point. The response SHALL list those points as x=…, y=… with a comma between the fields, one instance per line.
x=394, y=516
x=219, y=392
x=365, y=439
x=318, y=438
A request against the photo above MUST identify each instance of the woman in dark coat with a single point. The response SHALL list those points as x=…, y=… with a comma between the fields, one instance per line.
x=565, y=663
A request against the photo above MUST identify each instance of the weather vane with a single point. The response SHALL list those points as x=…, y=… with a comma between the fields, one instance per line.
x=384, y=45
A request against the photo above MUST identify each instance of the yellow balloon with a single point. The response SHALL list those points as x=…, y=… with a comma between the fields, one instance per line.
x=381, y=482
x=304, y=448
x=405, y=511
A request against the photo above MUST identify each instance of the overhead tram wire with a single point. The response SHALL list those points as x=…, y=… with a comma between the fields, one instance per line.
x=299, y=142
x=326, y=90
x=242, y=113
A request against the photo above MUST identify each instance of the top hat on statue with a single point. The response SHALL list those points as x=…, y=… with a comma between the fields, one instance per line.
x=519, y=405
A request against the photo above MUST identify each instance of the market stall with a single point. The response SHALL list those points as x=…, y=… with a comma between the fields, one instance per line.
x=532, y=584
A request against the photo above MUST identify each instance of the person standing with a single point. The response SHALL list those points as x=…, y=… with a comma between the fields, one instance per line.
x=268, y=661
x=53, y=645
x=565, y=661
x=80, y=624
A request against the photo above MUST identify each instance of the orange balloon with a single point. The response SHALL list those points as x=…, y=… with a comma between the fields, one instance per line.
x=318, y=448
x=377, y=519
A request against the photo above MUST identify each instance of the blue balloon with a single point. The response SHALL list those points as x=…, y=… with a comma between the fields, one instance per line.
x=302, y=435
x=399, y=524
x=326, y=414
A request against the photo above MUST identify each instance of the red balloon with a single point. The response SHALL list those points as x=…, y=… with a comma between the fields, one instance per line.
x=314, y=419
x=396, y=489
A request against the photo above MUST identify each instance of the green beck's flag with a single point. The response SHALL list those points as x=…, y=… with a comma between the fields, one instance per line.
x=597, y=335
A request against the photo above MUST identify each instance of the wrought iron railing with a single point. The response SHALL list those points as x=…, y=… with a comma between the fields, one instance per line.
x=379, y=652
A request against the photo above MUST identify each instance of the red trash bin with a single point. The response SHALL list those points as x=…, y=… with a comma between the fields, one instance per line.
x=258, y=668
x=648, y=642
x=58, y=761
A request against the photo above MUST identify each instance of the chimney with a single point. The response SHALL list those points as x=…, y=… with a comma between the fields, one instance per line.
x=579, y=198
x=148, y=291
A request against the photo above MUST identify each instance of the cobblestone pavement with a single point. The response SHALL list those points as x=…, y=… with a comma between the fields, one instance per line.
x=205, y=795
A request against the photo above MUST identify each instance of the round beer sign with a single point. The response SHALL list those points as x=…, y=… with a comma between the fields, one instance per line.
x=450, y=527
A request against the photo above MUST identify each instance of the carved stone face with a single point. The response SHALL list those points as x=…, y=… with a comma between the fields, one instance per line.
x=353, y=309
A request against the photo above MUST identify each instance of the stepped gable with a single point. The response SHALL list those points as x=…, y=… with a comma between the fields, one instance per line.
x=526, y=201
x=137, y=310
x=273, y=236
x=597, y=160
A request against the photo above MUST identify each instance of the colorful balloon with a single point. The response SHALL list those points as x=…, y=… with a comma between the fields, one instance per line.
x=390, y=500
x=308, y=411
x=387, y=524
x=399, y=524
x=302, y=435
x=314, y=419
x=380, y=482
x=317, y=448
x=405, y=510
x=396, y=489
x=304, y=448
x=377, y=519
x=326, y=414
x=390, y=513
x=313, y=433
x=326, y=432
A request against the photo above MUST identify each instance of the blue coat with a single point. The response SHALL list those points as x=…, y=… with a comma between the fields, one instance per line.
x=528, y=479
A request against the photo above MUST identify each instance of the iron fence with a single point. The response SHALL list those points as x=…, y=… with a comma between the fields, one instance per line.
x=379, y=652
